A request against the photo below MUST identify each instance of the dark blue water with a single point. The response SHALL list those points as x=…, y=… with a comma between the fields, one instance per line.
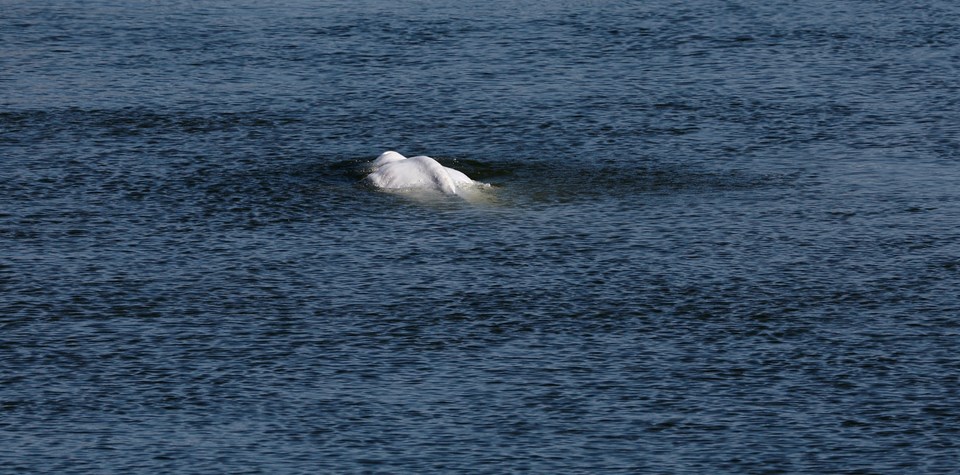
x=722, y=237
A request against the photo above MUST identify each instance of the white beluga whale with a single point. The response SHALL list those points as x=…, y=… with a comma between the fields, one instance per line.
x=393, y=171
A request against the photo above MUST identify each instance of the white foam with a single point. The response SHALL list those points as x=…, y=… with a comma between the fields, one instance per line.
x=393, y=171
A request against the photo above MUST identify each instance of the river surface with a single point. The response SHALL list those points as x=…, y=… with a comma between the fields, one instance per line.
x=720, y=237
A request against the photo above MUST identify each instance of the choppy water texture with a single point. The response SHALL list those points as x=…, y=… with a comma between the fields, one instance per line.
x=722, y=237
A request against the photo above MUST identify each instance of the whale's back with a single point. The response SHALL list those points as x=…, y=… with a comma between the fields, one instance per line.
x=419, y=172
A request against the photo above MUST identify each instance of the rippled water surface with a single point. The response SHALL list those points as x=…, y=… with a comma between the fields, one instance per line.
x=721, y=237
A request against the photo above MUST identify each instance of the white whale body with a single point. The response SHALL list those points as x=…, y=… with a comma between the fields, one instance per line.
x=393, y=171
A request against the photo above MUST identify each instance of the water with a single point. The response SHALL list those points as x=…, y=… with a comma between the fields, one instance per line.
x=721, y=237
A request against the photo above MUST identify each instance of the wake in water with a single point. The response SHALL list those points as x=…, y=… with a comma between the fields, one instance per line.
x=536, y=180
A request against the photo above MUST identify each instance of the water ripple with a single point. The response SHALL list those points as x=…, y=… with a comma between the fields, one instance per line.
x=719, y=237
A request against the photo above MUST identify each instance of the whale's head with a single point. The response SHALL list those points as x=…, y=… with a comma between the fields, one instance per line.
x=387, y=157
